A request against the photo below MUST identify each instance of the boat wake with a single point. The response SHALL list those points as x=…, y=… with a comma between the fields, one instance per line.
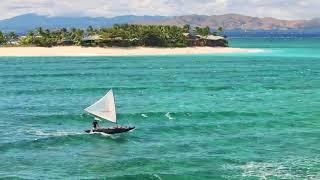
x=42, y=139
x=101, y=133
x=55, y=133
x=112, y=136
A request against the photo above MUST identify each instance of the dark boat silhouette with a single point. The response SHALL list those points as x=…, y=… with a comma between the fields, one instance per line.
x=114, y=130
x=105, y=109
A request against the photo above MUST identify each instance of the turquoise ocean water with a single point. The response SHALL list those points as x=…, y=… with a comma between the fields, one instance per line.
x=235, y=116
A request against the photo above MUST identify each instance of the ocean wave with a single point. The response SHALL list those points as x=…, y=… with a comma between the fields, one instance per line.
x=45, y=141
x=70, y=90
x=144, y=115
x=264, y=170
x=289, y=168
x=175, y=87
x=53, y=117
x=49, y=75
x=55, y=133
x=179, y=114
x=15, y=177
x=168, y=115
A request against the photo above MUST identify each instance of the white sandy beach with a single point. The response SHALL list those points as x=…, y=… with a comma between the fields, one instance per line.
x=96, y=51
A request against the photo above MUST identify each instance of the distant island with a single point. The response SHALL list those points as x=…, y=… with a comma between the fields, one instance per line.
x=119, y=35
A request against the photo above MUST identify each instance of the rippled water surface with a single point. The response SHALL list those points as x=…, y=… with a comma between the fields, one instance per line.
x=240, y=116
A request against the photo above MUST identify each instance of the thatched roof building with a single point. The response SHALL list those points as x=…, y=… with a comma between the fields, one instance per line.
x=92, y=38
x=209, y=40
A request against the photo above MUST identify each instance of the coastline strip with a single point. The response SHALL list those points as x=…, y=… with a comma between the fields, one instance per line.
x=114, y=51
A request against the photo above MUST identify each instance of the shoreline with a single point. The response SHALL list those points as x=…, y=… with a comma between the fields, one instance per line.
x=116, y=51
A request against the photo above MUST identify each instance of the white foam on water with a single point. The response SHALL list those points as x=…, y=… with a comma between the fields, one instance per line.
x=264, y=170
x=281, y=169
x=112, y=136
x=287, y=168
x=157, y=176
x=168, y=116
x=102, y=133
x=57, y=133
x=144, y=115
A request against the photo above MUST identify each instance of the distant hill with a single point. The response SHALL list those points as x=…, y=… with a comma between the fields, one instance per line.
x=27, y=22
x=236, y=22
x=230, y=22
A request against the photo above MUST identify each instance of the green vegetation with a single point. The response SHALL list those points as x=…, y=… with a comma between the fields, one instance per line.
x=202, y=31
x=8, y=38
x=47, y=38
x=124, y=35
x=2, y=38
x=149, y=35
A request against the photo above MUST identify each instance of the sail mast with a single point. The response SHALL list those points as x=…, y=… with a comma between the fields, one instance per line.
x=104, y=108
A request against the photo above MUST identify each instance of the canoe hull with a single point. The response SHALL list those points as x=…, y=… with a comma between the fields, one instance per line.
x=115, y=130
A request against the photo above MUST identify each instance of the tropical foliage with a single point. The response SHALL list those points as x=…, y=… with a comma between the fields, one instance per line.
x=2, y=38
x=47, y=38
x=118, y=35
x=146, y=35
x=8, y=38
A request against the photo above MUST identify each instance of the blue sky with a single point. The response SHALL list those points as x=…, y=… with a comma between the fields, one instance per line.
x=283, y=9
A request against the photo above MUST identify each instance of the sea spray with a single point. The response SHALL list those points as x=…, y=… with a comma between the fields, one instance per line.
x=144, y=115
x=168, y=115
x=55, y=133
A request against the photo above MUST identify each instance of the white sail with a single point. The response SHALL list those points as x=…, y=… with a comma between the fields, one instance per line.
x=104, y=108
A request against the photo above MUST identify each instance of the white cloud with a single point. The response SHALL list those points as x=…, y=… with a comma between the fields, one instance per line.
x=287, y=9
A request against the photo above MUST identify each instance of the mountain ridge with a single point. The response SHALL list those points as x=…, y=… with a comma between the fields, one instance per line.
x=25, y=22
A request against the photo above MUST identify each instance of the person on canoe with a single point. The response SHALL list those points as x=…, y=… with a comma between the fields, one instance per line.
x=95, y=124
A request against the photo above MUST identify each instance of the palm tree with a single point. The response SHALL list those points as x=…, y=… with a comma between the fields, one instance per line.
x=90, y=30
x=202, y=31
x=116, y=26
x=47, y=32
x=78, y=34
x=2, y=38
x=187, y=27
x=219, y=30
x=39, y=31
x=131, y=35
x=10, y=37
x=206, y=31
x=63, y=34
x=29, y=39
